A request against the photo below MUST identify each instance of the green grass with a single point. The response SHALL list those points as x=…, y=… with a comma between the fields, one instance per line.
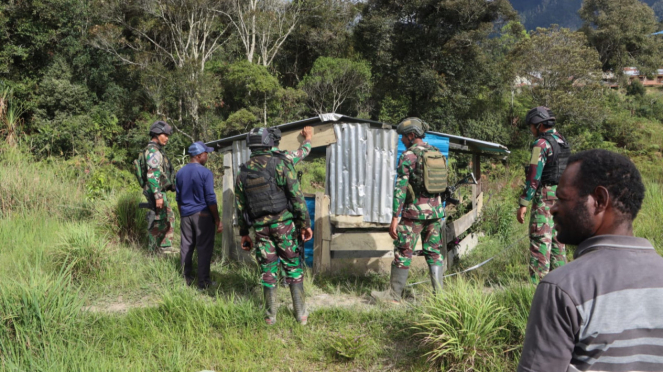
x=80, y=291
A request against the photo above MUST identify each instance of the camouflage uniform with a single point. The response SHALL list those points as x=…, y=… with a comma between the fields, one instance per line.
x=159, y=180
x=276, y=234
x=421, y=215
x=297, y=155
x=546, y=252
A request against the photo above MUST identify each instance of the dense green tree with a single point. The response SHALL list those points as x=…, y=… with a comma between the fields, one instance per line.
x=336, y=83
x=560, y=71
x=433, y=55
x=620, y=30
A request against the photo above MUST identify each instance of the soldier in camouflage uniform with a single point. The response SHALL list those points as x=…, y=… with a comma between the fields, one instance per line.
x=160, y=178
x=268, y=197
x=422, y=214
x=299, y=154
x=550, y=153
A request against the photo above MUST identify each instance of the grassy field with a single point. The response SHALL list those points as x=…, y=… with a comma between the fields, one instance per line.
x=80, y=292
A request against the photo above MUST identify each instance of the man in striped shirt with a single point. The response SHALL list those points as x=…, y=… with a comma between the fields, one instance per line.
x=604, y=310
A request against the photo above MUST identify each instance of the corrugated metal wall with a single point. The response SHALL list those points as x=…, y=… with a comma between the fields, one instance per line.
x=380, y=175
x=346, y=169
x=361, y=169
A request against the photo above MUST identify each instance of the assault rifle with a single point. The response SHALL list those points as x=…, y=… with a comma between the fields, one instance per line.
x=448, y=194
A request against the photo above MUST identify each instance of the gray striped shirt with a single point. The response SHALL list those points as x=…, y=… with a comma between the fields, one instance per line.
x=601, y=312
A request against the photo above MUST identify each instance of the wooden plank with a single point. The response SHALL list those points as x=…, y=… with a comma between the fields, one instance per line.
x=480, y=203
x=228, y=212
x=323, y=135
x=361, y=254
x=317, y=234
x=364, y=241
x=354, y=222
x=322, y=234
x=326, y=231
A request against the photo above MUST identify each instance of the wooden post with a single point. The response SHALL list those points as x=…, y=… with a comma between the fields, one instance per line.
x=322, y=234
x=228, y=214
x=476, y=162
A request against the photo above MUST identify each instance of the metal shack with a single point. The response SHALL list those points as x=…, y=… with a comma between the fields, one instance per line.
x=351, y=218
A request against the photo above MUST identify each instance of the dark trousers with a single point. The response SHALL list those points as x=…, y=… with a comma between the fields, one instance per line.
x=197, y=232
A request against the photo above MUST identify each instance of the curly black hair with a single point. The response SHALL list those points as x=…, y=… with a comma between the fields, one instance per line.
x=616, y=173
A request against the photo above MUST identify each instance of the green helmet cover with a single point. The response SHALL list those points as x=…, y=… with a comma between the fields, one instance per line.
x=412, y=125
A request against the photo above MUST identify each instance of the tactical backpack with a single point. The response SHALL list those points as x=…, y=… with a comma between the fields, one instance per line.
x=430, y=175
x=166, y=180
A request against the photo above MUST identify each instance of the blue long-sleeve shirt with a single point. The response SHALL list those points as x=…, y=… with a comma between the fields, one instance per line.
x=194, y=186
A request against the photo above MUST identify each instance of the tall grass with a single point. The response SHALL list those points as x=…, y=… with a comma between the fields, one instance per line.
x=464, y=329
x=80, y=252
x=35, y=313
x=26, y=187
x=648, y=223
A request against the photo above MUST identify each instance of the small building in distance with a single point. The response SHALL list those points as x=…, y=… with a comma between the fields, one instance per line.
x=632, y=73
x=351, y=217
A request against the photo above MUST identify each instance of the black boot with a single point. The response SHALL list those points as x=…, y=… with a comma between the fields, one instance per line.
x=397, y=282
x=298, y=304
x=270, y=305
x=436, y=273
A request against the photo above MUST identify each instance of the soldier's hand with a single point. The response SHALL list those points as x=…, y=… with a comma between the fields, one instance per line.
x=392, y=228
x=247, y=243
x=159, y=203
x=219, y=227
x=307, y=132
x=307, y=234
x=520, y=215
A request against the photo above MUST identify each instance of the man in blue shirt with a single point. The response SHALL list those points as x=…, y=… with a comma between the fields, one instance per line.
x=199, y=213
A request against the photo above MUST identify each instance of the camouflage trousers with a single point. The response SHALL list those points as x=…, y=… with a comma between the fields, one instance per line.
x=408, y=234
x=546, y=253
x=278, y=240
x=160, y=230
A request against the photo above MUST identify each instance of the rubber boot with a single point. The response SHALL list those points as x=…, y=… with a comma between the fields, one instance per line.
x=270, y=305
x=298, y=304
x=397, y=282
x=436, y=273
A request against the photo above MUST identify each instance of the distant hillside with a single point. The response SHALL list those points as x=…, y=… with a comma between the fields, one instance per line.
x=543, y=13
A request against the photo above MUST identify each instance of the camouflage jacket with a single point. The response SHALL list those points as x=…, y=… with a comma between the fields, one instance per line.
x=297, y=155
x=425, y=206
x=286, y=178
x=541, y=152
x=159, y=171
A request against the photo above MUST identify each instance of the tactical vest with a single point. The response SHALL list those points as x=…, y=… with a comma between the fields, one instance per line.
x=430, y=173
x=263, y=195
x=556, y=165
x=166, y=180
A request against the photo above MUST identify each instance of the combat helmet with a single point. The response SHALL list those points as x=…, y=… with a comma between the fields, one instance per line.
x=276, y=132
x=160, y=127
x=412, y=125
x=540, y=115
x=260, y=137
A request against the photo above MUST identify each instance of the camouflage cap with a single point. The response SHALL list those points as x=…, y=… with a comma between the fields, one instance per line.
x=412, y=125
x=161, y=127
x=540, y=114
x=260, y=137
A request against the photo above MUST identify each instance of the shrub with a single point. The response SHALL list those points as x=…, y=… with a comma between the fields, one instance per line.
x=350, y=346
x=122, y=217
x=464, y=328
x=80, y=252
